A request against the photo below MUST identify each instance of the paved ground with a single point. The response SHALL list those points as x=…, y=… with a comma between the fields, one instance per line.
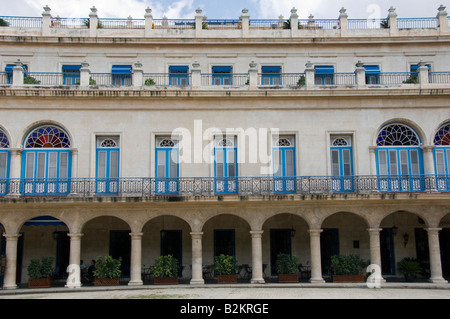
x=241, y=292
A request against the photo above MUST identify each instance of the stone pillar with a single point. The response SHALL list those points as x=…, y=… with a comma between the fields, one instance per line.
x=360, y=72
x=9, y=281
x=93, y=22
x=137, y=74
x=343, y=21
x=197, y=259
x=46, y=21
x=196, y=75
x=294, y=23
x=257, y=271
x=253, y=76
x=316, y=262
x=309, y=75
x=85, y=74
x=148, y=22
x=375, y=252
x=16, y=165
x=428, y=166
x=373, y=164
x=245, y=22
x=435, y=255
x=392, y=21
x=136, y=260
x=442, y=19
x=17, y=78
x=423, y=73
x=198, y=23
x=74, y=277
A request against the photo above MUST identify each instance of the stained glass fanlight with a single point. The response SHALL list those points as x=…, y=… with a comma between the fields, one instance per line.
x=47, y=136
x=397, y=134
x=4, y=142
x=442, y=136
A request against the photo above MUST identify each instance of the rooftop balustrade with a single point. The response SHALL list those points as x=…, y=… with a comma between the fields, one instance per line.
x=149, y=27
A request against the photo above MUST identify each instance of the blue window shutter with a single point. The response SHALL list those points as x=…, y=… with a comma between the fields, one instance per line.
x=271, y=69
x=121, y=69
x=178, y=69
x=372, y=69
x=71, y=68
x=221, y=69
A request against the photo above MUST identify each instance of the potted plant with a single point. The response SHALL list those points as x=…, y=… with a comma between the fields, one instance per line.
x=40, y=272
x=107, y=271
x=226, y=268
x=347, y=268
x=165, y=270
x=287, y=268
x=410, y=268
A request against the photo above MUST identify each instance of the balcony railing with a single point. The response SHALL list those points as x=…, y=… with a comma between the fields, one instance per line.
x=241, y=186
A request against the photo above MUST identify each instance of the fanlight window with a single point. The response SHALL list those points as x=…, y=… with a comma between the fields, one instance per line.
x=225, y=142
x=108, y=142
x=47, y=136
x=167, y=142
x=4, y=142
x=340, y=141
x=397, y=135
x=283, y=142
x=442, y=137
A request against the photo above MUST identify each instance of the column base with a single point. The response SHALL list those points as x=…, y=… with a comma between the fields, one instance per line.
x=197, y=282
x=258, y=281
x=317, y=281
x=75, y=285
x=438, y=280
x=136, y=283
x=10, y=287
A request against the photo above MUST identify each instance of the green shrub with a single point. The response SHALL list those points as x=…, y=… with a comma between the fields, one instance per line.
x=409, y=267
x=347, y=265
x=225, y=264
x=286, y=264
x=40, y=268
x=108, y=267
x=165, y=266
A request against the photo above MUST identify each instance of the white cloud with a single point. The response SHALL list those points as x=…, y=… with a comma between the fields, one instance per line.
x=273, y=8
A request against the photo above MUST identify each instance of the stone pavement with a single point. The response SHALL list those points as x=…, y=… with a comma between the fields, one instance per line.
x=240, y=292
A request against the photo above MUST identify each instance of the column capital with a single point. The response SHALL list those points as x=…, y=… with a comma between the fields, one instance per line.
x=433, y=229
x=315, y=232
x=136, y=235
x=374, y=230
x=256, y=233
x=12, y=236
x=75, y=235
x=196, y=234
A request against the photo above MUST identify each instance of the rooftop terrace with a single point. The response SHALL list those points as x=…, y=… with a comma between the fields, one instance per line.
x=242, y=27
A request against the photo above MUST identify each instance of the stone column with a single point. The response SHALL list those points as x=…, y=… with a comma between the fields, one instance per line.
x=428, y=166
x=375, y=252
x=17, y=78
x=423, y=74
x=136, y=260
x=74, y=277
x=343, y=21
x=245, y=22
x=309, y=75
x=360, y=72
x=46, y=21
x=253, y=76
x=198, y=23
x=316, y=262
x=197, y=259
x=93, y=22
x=373, y=164
x=435, y=255
x=442, y=19
x=257, y=273
x=9, y=281
x=148, y=22
x=138, y=75
x=392, y=21
x=196, y=75
x=14, y=180
x=85, y=74
x=294, y=23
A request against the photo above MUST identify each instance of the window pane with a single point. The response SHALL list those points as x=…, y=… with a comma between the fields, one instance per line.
x=219, y=163
x=335, y=162
x=277, y=163
x=173, y=164
x=101, y=165
x=346, y=162
x=415, y=162
x=404, y=167
x=447, y=152
x=231, y=163
x=289, y=158
x=440, y=164
x=393, y=162
x=161, y=168
x=114, y=164
x=3, y=164
x=29, y=170
x=52, y=164
x=382, y=163
x=41, y=166
x=63, y=165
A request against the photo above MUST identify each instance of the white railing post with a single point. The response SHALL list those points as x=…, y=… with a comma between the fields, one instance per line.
x=360, y=75
x=245, y=22
x=196, y=75
x=294, y=23
x=198, y=23
x=343, y=21
x=84, y=74
x=309, y=75
x=17, y=79
x=253, y=76
x=46, y=21
x=93, y=22
x=137, y=74
x=392, y=21
x=423, y=73
x=442, y=20
x=148, y=22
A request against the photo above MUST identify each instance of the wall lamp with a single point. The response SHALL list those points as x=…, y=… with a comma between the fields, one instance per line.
x=405, y=239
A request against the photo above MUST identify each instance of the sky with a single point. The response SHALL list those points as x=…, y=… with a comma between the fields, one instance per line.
x=224, y=9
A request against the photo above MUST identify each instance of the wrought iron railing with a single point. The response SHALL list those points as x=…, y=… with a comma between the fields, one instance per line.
x=210, y=186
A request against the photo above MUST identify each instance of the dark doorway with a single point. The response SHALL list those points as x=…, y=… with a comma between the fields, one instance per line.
x=280, y=242
x=387, y=252
x=120, y=246
x=422, y=251
x=444, y=244
x=224, y=242
x=62, y=254
x=171, y=244
x=329, y=246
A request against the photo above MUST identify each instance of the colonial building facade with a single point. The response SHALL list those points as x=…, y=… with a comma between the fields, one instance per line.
x=143, y=137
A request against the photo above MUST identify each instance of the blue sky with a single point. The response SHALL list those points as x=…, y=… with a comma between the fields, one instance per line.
x=224, y=9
